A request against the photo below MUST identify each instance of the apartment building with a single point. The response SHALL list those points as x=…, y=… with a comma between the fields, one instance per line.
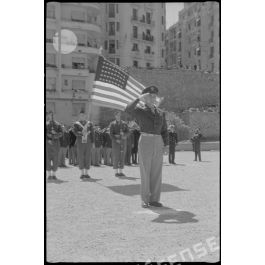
x=134, y=34
x=70, y=75
x=196, y=38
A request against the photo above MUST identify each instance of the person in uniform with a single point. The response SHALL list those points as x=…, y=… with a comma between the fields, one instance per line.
x=84, y=132
x=153, y=139
x=53, y=133
x=118, y=133
x=172, y=140
x=130, y=143
x=72, y=148
x=107, y=146
x=96, y=149
x=136, y=134
x=64, y=143
x=196, y=144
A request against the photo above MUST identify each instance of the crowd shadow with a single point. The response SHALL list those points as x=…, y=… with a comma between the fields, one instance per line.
x=90, y=180
x=134, y=189
x=56, y=181
x=171, y=216
x=183, y=165
x=128, y=178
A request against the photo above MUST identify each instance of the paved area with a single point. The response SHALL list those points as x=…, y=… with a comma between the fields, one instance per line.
x=102, y=220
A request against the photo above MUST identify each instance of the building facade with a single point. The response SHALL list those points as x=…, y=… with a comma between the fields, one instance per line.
x=193, y=42
x=70, y=74
x=134, y=34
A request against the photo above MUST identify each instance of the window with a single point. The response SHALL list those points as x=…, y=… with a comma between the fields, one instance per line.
x=51, y=83
x=50, y=60
x=112, y=46
x=118, y=26
x=77, y=107
x=148, y=65
x=111, y=10
x=49, y=36
x=148, y=18
x=65, y=83
x=50, y=106
x=162, y=20
x=111, y=28
x=135, y=47
x=199, y=64
x=135, y=63
x=118, y=61
x=106, y=44
x=78, y=16
x=198, y=51
x=198, y=22
x=199, y=38
x=79, y=84
x=162, y=36
x=148, y=49
x=162, y=53
x=179, y=49
x=81, y=39
x=135, y=15
x=50, y=11
x=211, y=52
x=117, y=44
x=212, y=67
x=179, y=34
x=135, y=32
x=212, y=35
x=78, y=63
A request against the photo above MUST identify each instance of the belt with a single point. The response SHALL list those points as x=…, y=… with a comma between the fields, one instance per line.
x=149, y=134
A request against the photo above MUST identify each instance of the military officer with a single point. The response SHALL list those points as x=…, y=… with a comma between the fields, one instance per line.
x=53, y=133
x=196, y=144
x=173, y=140
x=118, y=133
x=83, y=129
x=153, y=139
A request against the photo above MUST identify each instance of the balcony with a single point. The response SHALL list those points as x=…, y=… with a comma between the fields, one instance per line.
x=81, y=25
x=136, y=54
x=135, y=37
x=75, y=71
x=148, y=38
x=143, y=21
x=95, y=7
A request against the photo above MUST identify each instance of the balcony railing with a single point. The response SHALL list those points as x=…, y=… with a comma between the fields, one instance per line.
x=148, y=38
x=143, y=21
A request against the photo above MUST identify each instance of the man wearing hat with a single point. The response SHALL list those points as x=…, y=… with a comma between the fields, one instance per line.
x=153, y=139
x=53, y=133
x=118, y=133
x=172, y=140
x=84, y=132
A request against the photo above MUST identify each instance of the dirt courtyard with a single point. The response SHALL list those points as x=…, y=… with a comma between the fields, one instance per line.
x=102, y=219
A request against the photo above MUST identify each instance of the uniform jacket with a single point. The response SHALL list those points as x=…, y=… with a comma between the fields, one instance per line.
x=72, y=138
x=149, y=122
x=196, y=141
x=115, y=130
x=98, y=138
x=172, y=138
x=107, y=142
x=78, y=132
x=53, y=132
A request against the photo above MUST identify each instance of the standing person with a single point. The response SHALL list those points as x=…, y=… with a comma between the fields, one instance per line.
x=96, y=150
x=72, y=148
x=107, y=145
x=53, y=133
x=153, y=139
x=196, y=144
x=118, y=133
x=136, y=134
x=130, y=139
x=173, y=140
x=64, y=143
x=83, y=129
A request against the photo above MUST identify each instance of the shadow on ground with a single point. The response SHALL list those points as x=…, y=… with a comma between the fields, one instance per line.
x=171, y=216
x=134, y=189
x=90, y=180
x=57, y=181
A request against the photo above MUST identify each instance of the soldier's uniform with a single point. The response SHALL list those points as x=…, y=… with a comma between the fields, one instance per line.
x=84, y=143
x=53, y=133
x=107, y=146
x=154, y=136
x=130, y=142
x=172, y=140
x=136, y=134
x=96, y=151
x=196, y=144
x=118, y=149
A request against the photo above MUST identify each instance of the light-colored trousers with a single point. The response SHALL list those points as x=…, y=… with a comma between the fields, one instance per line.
x=151, y=162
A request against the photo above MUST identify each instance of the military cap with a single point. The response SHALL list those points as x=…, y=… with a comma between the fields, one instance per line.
x=151, y=90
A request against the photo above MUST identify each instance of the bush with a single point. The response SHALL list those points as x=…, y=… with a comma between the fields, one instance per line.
x=183, y=130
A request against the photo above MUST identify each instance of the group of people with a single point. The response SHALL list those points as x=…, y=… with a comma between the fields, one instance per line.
x=118, y=144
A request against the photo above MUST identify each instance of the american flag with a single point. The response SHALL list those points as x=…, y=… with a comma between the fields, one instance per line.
x=113, y=87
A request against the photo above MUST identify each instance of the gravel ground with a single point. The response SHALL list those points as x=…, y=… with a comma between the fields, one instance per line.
x=102, y=219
